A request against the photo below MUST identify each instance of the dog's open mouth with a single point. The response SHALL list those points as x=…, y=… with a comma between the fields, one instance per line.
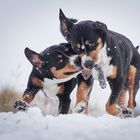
x=86, y=74
x=70, y=73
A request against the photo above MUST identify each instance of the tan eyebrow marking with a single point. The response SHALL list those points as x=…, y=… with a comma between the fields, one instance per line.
x=59, y=56
x=87, y=42
x=66, y=49
x=78, y=45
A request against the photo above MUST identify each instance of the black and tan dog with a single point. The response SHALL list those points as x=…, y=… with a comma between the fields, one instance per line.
x=56, y=71
x=132, y=84
x=112, y=51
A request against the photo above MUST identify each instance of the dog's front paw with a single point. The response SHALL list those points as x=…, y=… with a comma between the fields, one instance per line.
x=126, y=113
x=21, y=105
x=80, y=107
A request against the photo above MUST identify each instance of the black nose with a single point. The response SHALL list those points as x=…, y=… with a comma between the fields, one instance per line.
x=77, y=61
x=89, y=64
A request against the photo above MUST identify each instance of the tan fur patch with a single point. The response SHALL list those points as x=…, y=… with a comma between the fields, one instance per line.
x=82, y=93
x=60, y=74
x=59, y=56
x=28, y=97
x=64, y=27
x=66, y=50
x=122, y=97
x=131, y=82
x=87, y=42
x=78, y=46
x=94, y=54
x=112, y=109
x=114, y=73
x=37, y=82
x=61, y=90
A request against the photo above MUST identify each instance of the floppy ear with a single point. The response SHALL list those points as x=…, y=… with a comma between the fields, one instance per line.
x=65, y=24
x=33, y=57
x=102, y=29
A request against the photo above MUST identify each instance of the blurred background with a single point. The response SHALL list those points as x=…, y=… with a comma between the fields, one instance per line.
x=35, y=24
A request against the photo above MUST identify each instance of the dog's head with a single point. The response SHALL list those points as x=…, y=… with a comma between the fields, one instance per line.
x=58, y=62
x=87, y=38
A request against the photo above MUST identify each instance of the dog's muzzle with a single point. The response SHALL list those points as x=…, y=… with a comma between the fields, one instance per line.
x=86, y=73
x=89, y=64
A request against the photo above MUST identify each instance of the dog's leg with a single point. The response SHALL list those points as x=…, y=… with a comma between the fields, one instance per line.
x=116, y=86
x=131, y=85
x=34, y=85
x=23, y=104
x=111, y=106
x=64, y=104
x=83, y=93
x=136, y=85
x=64, y=96
x=122, y=97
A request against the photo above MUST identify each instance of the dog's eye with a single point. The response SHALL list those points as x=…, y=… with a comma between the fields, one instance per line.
x=77, y=49
x=92, y=46
x=39, y=70
x=60, y=61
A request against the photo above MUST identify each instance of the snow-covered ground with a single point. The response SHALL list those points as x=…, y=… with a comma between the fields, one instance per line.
x=33, y=126
x=97, y=125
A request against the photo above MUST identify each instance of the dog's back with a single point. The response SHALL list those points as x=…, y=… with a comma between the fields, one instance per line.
x=131, y=56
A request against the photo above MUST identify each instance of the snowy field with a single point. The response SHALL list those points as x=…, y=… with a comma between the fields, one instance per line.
x=97, y=125
x=33, y=126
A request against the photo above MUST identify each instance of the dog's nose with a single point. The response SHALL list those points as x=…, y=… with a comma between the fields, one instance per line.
x=89, y=64
x=77, y=61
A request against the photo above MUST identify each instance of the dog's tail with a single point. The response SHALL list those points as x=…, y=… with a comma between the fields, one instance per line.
x=137, y=47
x=136, y=57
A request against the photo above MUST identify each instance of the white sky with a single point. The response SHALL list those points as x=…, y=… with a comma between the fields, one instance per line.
x=35, y=24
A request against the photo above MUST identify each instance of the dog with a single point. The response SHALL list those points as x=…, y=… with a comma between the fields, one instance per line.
x=113, y=52
x=56, y=71
x=128, y=87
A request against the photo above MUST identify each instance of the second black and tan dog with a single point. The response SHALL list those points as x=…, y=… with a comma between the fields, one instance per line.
x=56, y=71
x=115, y=53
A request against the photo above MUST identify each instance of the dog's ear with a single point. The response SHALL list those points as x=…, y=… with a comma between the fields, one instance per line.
x=102, y=29
x=73, y=20
x=65, y=24
x=34, y=58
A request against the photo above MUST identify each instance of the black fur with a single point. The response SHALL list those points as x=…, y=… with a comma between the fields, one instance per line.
x=119, y=48
x=57, y=56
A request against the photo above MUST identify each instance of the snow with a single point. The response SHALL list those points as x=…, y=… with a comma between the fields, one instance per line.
x=97, y=124
x=31, y=125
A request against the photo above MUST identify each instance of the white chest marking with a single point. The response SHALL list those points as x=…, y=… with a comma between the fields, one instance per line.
x=50, y=86
x=104, y=62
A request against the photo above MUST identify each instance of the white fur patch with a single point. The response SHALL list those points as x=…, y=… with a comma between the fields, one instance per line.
x=72, y=59
x=51, y=87
x=80, y=106
x=104, y=62
x=84, y=59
